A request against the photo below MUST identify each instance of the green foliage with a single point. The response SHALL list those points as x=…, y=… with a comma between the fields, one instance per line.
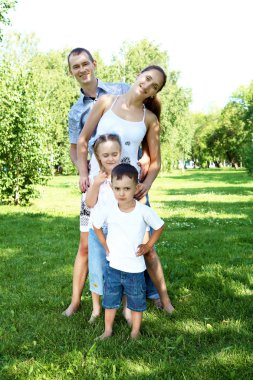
x=24, y=156
x=5, y=6
x=247, y=154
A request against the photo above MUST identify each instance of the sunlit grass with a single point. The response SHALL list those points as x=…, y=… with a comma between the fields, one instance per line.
x=207, y=255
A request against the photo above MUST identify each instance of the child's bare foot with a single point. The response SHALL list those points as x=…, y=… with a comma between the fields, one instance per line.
x=127, y=315
x=105, y=335
x=135, y=334
x=158, y=304
x=93, y=318
x=169, y=309
x=72, y=309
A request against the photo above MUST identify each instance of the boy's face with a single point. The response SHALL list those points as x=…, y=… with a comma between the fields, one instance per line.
x=124, y=189
x=82, y=68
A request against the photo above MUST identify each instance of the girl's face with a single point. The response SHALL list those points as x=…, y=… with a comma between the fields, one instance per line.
x=108, y=154
x=149, y=82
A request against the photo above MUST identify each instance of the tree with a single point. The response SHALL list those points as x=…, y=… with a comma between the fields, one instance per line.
x=5, y=6
x=24, y=159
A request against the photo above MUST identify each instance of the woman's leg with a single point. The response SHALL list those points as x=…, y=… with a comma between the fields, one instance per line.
x=80, y=272
x=96, y=307
x=155, y=271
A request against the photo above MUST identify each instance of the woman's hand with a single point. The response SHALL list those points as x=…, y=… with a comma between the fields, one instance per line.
x=141, y=190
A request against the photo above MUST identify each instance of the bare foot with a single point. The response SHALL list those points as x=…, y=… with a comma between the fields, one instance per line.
x=93, y=318
x=105, y=335
x=127, y=315
x=135, y=334
x=158, y=304
x=169, y=309
x=72, y=309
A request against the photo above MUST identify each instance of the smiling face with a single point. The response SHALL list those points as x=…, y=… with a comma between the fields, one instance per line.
x=149, y=83
x=82, y=68
x=108, y=155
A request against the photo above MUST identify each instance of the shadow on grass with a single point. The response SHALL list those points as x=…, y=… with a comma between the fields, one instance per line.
x=214, y=175
x=208, y=280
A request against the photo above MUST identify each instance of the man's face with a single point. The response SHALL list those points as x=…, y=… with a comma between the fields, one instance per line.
x=82, y=68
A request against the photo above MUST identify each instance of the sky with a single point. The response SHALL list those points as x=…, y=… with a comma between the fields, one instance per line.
x=208, y=41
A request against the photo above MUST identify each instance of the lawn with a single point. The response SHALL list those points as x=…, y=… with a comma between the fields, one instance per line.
x=207, y=255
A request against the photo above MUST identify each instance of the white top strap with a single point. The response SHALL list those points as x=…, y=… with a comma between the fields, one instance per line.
x=115, y=100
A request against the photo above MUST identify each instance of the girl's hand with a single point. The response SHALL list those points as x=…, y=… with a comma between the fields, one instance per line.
x=141, y=190
x=100, y=178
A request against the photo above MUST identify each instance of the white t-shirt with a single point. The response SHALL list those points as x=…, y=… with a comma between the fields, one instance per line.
x=105, y=197
x=126, y=231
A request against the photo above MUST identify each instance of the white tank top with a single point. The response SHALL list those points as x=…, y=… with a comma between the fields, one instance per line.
x=131, y=134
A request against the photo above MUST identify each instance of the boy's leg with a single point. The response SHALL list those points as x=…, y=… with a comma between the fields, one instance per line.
x=112, y=296
x=155, y=271
x=109, y=319
x=135, y=289
x=136, y=324
x=80, y=273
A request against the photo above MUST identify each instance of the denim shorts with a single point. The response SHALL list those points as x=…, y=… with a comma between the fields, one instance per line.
x=117, y=283
x=96, y=262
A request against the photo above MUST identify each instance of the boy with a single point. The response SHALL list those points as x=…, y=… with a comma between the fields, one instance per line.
x=127, y=223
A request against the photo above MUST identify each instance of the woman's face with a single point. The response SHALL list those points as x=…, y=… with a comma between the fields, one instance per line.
x=149, y=82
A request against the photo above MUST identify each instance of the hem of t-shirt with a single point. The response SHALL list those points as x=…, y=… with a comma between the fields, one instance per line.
x=126, y=270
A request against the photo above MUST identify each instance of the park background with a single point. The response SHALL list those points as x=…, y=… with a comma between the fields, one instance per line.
x=206, y=249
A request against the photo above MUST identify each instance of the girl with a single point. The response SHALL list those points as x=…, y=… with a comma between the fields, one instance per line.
x=107, y=150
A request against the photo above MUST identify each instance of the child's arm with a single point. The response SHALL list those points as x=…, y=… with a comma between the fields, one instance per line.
x=102, y=239
x=93, y=191
x=145, y=248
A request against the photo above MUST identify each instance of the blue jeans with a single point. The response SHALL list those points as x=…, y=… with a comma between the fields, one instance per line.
x=96, y=262
x=117, y=283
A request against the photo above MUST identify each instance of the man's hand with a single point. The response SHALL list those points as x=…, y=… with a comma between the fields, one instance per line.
x=143, y=249
x=84, y=183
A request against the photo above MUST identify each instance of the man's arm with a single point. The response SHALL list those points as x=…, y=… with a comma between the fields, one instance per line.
x=73, y=154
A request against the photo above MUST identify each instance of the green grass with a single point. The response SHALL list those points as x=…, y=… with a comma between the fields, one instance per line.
x=207, y=255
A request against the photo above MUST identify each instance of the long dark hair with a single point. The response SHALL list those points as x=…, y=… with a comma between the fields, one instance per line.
x=154, y=103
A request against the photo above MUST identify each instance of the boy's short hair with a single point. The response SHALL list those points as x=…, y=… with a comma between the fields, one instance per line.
x=125, y=170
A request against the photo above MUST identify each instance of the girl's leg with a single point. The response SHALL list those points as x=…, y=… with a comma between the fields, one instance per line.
x=80, y=273
x=109, y=319
x=97, y=261
x=96, y=307
x=126, y=312
x=136, y=324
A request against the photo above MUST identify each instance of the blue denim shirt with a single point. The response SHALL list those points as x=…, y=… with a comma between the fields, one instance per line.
x=79, y=111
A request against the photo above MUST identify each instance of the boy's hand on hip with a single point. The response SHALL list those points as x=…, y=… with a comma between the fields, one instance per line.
x=143, y=249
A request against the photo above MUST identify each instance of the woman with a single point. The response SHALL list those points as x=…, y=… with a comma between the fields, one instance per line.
x=132, y=116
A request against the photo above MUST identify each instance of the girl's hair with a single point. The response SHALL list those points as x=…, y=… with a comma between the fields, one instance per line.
x=102, y=139
x=154, y=103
